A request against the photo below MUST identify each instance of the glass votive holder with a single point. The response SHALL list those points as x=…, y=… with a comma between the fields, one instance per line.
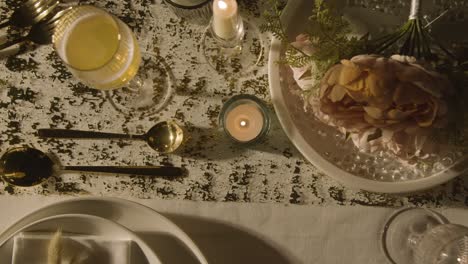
x=245, y=119
x=226, y=25
x=194, y=11
x=231, y=45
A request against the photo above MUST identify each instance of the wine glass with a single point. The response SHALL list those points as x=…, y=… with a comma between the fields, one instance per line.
x=102, y=52
x=422, y=236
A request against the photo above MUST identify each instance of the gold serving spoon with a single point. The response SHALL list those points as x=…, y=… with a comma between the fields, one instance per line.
x=25, y=167
x=163, y=137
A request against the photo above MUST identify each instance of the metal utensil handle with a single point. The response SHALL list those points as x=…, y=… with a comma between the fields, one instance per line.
x=5, y=24
x=12, y=42
x=70, y=133
x=137, y=170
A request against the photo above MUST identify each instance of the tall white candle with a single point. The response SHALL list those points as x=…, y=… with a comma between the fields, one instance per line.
x=225, y=18
x=244, y=122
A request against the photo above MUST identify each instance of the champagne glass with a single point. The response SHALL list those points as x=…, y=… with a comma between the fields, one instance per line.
x=102, y=52
x=422, y=236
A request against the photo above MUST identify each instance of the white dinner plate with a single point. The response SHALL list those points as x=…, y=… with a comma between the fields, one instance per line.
x=323, y=145
x=167, y=240
x=84, y=225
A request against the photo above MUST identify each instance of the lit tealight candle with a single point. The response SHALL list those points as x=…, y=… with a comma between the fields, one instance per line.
x=225, y=18
x=245, y=118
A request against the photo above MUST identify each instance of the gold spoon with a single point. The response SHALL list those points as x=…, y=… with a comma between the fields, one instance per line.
x=163, y=137
x=25, y=167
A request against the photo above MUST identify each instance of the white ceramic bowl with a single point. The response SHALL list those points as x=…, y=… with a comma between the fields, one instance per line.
x=301, y=128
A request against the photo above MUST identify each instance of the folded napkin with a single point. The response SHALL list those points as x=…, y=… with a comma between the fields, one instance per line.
x=33, y=248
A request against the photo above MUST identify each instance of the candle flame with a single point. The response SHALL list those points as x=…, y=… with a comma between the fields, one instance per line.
x=222, y=5
x=243, y=123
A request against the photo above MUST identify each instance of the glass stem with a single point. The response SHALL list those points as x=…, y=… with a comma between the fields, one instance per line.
x=135, y=84
x=413, y=240
x=415, y=236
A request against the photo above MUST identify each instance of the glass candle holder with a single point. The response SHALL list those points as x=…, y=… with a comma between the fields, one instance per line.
x=226, y=25
x=231, y=44
x=245, y=119
x=194, y=11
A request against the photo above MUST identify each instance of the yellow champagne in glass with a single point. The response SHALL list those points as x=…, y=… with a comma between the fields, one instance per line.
x=102, y=40
x=99, y=49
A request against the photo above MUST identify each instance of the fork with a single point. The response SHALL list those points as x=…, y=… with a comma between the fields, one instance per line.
x=40, y=33
x=30, y=12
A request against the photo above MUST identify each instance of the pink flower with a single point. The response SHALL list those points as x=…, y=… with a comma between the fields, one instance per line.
x=385, y=103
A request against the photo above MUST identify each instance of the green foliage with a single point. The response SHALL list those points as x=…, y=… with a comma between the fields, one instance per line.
x=273, y=20
x=327, y=31
x=295, y=57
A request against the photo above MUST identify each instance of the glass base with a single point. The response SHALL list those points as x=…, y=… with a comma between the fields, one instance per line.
x=234, y=60
x=404, y=229
x=152, y=93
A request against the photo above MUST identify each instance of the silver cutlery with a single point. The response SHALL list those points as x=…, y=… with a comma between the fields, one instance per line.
x=30, y=12
x=40, y=33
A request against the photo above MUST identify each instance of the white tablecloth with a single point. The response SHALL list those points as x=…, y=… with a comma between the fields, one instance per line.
x=264, y=233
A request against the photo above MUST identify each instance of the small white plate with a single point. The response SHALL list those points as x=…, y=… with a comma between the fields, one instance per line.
x=167, y=240
x=84, y=225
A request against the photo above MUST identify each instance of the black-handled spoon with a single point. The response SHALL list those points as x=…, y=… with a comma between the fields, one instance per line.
x=163, y=137
x=24, y=166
